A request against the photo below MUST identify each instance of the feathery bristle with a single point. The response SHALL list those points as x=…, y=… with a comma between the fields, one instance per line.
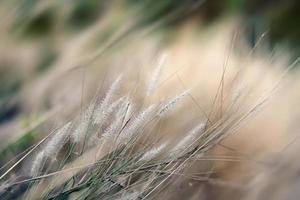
x=117, y=123
x=109, y=96
x=156, y=75
x=171, y=103
x=55, y=144
x=101, y=114
x=37, y=164
x=80, y=132
x=137, y=123
x=190, y=137
x=149, y=155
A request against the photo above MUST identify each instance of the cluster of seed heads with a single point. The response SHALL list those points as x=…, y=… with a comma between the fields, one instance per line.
x=112, y=118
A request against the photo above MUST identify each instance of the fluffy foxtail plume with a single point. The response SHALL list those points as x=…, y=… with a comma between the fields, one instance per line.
x=189, y=139
x=137, y=123
x=37, y=164
x=172, y=102
x=156, y=75
x=152, y=153
x=56, y=142
x=116, y=125
x=110, y=94
x=79, y=133
x=101, y=114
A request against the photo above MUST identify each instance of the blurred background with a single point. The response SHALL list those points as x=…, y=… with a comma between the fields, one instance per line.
x=44, y=46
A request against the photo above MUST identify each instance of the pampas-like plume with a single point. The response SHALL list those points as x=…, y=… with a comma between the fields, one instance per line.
x=101, y=114
x=149, y=155
x=156, y=75
x=54, y=145
x=79, y=133
x=98, y=114
x=110, y=93
x=172, y=102
x=137, y=123
x=50, y=150
x=37, y=164
x=190, y=137
x=117, y=123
